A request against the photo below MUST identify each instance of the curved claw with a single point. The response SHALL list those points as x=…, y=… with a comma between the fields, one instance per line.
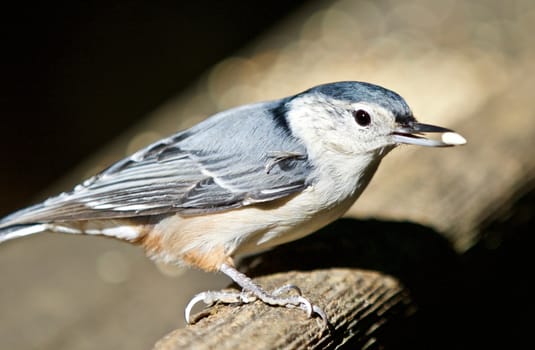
x=319, y=311
x=305, y=305
x=199, y=297
x=211, y=297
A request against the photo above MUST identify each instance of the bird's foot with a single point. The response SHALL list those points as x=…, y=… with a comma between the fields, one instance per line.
x=252, y=292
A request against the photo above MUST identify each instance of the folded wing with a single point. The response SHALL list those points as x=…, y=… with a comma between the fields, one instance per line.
x=220, y=164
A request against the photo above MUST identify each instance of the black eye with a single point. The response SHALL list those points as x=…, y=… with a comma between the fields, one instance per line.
x=362, y=117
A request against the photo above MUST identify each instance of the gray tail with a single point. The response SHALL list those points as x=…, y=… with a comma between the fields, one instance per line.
x=16, y=231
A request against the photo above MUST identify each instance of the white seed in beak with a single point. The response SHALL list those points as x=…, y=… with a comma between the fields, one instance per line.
x=452, y=138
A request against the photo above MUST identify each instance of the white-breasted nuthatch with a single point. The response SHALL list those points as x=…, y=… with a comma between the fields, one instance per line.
x=240, y=182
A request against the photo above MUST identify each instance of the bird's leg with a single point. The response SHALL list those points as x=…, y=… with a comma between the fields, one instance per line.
x=251, y=292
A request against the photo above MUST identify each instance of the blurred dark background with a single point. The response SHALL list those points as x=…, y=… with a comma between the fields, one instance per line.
x=75, y=74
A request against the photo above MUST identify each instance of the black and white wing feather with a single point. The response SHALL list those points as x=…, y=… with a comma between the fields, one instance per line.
x=222, y=163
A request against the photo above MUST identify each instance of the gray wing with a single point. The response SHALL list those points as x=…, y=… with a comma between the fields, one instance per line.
x=233, y=159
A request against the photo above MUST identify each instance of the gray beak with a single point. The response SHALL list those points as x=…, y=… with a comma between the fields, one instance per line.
x=413, y=134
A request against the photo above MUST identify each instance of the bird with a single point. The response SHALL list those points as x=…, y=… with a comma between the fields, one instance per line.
x=240, y=182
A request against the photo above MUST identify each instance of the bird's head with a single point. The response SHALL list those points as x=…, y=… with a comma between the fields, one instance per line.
x=356, y=118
